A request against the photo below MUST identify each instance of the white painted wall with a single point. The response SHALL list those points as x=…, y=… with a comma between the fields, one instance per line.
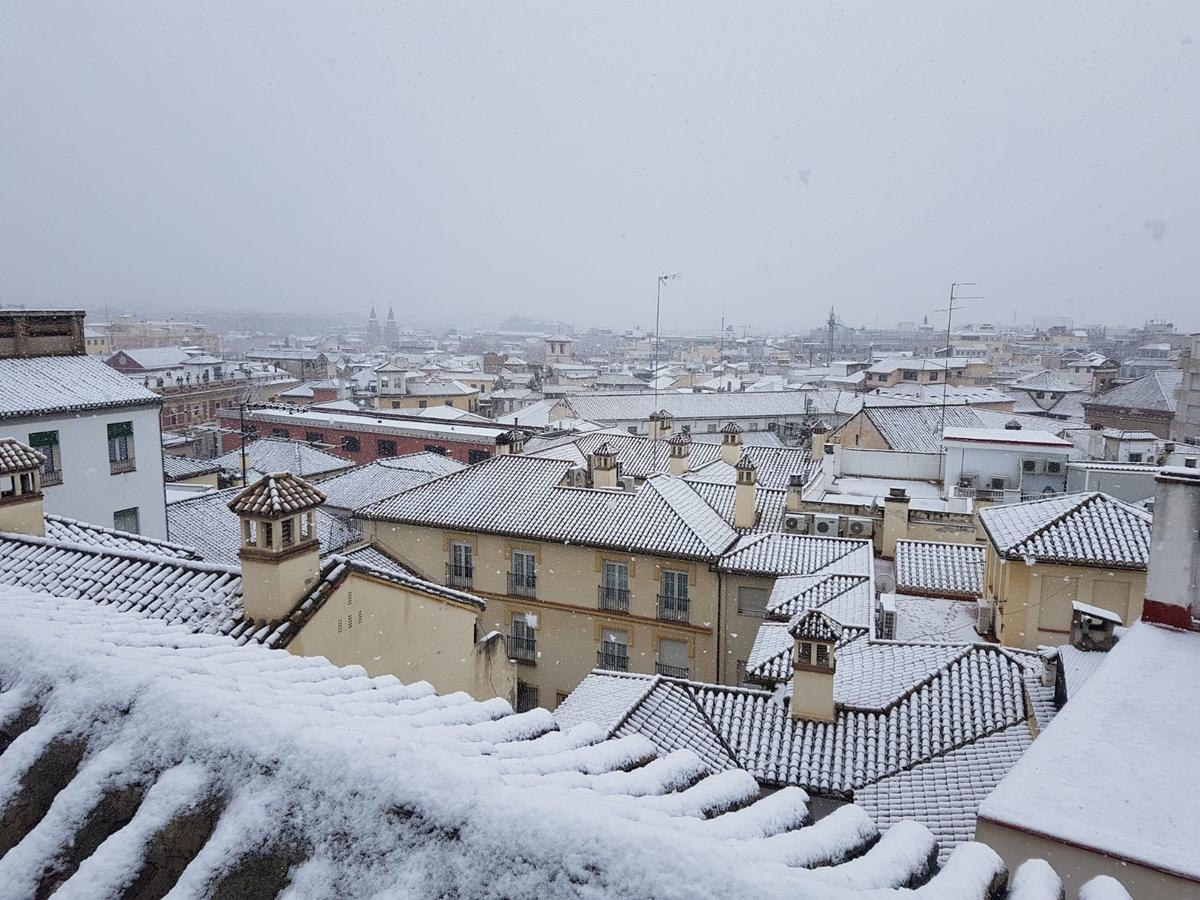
x=987, y=463
x=89, y=491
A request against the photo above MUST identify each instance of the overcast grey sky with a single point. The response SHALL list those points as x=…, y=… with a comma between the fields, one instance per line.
x=475, y=160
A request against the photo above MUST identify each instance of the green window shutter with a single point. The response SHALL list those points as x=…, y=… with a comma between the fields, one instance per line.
x=120, y=429
x=43, y=439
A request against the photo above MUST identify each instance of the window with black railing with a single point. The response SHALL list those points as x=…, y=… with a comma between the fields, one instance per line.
x=522, y=584
x=613, y=598
x=522, y=647
x=527, y=697
x=671, y=671
x=672, y=608
x=613, y=657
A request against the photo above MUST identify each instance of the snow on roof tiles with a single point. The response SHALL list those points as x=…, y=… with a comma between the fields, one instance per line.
x=382, y=479
x=939, y=569
x=304, y=755
x=72, y=531
x=42, y=385
x=18, y=457
x=1045, y=380
x=753, y=404
x=275, y=495
x=814, y=625
x=281, y=455
x=177, y=468
x=1158, y=392
x=1081, y=529
x=522, y=496
x=776, y=553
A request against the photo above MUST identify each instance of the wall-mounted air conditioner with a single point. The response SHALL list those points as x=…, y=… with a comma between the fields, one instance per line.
x=885, y=617
x=859, y=527
x=798, y=523
x=1054, y=466
x=1032, y=466
x=983, y=617
x=825, y=526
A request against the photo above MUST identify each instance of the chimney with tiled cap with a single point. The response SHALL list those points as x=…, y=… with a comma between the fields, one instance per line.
x=279, y=552
x=661, y=423
x=814, y=666
x=603, y=463
x=680, y=447
x=745, y=494
x=1173, y=572
x=817, y=440
x=21, y=488
x=795, y=492
x=510, y=443
x=731, y=443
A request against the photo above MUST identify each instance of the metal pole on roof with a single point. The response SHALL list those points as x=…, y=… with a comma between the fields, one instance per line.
x=949, y=311
x=657, y=319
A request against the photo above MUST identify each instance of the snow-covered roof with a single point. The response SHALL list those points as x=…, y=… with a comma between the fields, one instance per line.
x=275, y=495
x=1137, y=722
x=519, y=495
x=1045, y=381
x=384, y=478
x=43, y=385
x=1017, y=437
x=153, y=357
x=776, y=553
x=939, y=569
x=1088, y=528
x=918, y=429
x=1156, y=392
x=73, y=531
x=18, y=457
x=268, y=454
x=206, y=523
x=177, y=468
x=937, y=619
x=1078, y=666
x=629, y=406
x=371, y=422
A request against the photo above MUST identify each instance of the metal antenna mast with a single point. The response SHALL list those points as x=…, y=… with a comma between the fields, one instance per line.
x=949, y=311
x=662, y=279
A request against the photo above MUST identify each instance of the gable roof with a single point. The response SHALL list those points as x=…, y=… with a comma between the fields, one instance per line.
x=73, y=531
x=267, y=454
x=1045, y=380
x=776, y=553
x=383, y=478
x=1088, y=528
x=522, y=496
x=1156, y=392
x=153, y=357
x=939, y=569
x=177, y=468
x=42, y=385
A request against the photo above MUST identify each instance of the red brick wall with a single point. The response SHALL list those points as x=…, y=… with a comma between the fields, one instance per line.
x=368, y=441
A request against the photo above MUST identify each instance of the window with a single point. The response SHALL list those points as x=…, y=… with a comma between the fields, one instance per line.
x=436, y=448
x=422, y=404
x=672, y=658
x=280, y=433
x=351, y=444
x=1135, y=457
x=385, y=447
x=450, y=403
x=910, y=374
x=614, y=588
x=614, y=650
x=822, y=654
x=477, y=456
x=673, y=596
x=522, y=577
x=314, y=437
x=527, y=697
x=806, y=652
x=522, y=640
x=47, y=443
x=460, y=570
x=752, y=601
x=933, y=376
x=559, y=698
x=126, y=520
x=120, y=448
x=285, y=532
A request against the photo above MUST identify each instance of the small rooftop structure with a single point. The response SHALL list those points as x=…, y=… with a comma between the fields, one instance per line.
x=277, y=494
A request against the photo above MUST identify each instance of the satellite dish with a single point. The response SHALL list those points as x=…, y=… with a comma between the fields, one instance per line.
x=885, y=583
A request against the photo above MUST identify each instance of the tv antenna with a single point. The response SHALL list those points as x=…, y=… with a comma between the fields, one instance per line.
x=949, y=311
x=662, y=279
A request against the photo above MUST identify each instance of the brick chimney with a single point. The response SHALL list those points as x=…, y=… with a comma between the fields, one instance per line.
x=604, y=467
x=279, y=552
x=1173, y=574
x=680, y=447
x=21, y=488
x=814, y=665
x=745, y=493
x=731, y=443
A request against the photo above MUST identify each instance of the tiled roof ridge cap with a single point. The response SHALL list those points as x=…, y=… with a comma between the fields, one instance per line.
x=135, y=555
x=161, y=542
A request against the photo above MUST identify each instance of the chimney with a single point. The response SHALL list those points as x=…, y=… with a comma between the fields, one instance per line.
x=1049, y=658
x=604, y=467
x=745, y=492
x=795, y=492
x=21, y=488
x=895, y=521
x=280, y=553
x=814, y=666
x=817, y=440
x=680, y=447
x=731, y=443
x=1173, y=574
x=660, y=425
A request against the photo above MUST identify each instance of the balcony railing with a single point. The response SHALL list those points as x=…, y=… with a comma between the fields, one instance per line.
x=460, y=576
x=613, y=661
x=52, y=477
x=520, y=585
x=673, y=609
x=670, y=671
x=522, y=648
x=117, y=466
x=613, y=599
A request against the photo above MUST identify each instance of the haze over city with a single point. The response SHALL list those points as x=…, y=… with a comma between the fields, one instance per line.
x=467, y=162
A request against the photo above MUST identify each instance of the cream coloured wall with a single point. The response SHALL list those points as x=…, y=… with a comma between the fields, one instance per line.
x=1077, y=865
x=23, y=514
x=467, y=403
x=737, y=629
x=569, y=622
x=210, y=480
x=1033, y=602
x=392, y=631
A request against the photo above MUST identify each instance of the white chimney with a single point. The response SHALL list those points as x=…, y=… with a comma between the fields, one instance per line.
x=745, y=495
x=1173, y=575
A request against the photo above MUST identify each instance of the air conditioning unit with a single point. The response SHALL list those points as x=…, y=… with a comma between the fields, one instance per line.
x=1054, y=466
x=628, y=483
x=983, y=617
x=826, y=526
x=966, y=481
x=576, y=477
x=885, y=617
x=1032, y=466
x=798, y=523
x=860, y=527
